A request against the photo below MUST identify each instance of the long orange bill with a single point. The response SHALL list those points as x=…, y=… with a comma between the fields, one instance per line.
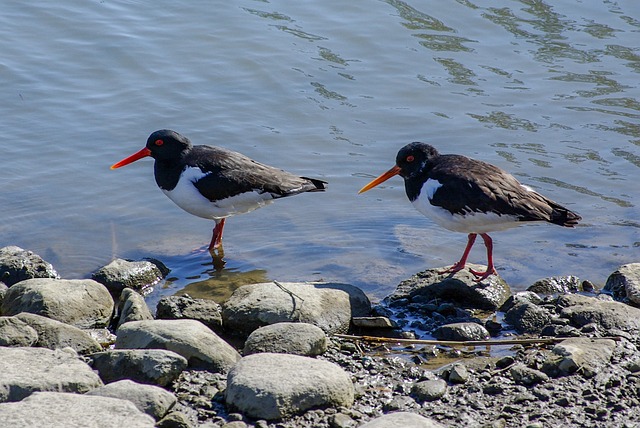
x=134, y=157
x=381, y=179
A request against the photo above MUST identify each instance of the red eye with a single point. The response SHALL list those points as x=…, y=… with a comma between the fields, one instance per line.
x=410, y=158
x=158, y=142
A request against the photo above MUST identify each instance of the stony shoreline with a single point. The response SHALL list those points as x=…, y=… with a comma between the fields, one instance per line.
x=90, y=353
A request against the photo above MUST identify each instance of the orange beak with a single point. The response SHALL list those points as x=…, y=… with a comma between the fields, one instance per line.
x=381, y=179
x=134, y=157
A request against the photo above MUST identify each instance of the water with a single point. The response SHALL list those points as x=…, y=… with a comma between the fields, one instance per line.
x=327, y=89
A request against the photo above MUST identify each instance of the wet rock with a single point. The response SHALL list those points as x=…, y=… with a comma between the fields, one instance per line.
x=521, y=297
x=61, y=409
x=17, y=264
x=429, y=390
x=273, y=386
x=193, y=340
x=583, y=310
x=329, y=306
x=527, y=318
x=624, y=283
x=26, y=370
x=151, y=366
x=54, y=334
x=152, y=400
x=461, y=331
x=580, y=354
x=460, y=289
x=206, y=311
x=373, y=322
x=82, y=303
x=287, y=338
x=557, y=285
x=402, y=420
x=458, y=373
x=527, y=376
x=14, y=332
x=121, y=274
x=132, y=307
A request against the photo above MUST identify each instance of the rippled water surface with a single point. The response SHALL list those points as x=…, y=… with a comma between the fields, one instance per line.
x=328, y=89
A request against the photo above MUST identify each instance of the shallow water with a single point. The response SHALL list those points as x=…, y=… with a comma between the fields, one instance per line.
x=324, y=89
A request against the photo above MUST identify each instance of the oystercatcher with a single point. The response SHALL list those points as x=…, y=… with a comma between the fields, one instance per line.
x=470, y=196
x=213, y=182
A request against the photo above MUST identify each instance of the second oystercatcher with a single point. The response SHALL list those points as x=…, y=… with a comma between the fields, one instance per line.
x=471, y=196
x=215, y=183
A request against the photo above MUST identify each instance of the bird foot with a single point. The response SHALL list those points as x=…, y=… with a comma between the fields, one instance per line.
x=453, y=269
x=481, y=276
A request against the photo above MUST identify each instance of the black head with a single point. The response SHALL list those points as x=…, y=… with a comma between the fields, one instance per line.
x=166, y=144
x=412, y=158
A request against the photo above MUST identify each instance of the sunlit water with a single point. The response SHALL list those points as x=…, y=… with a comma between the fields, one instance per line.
x=327, y=89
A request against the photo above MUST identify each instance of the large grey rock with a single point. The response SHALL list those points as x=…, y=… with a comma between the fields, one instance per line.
x=624, y=283
x=17, y=264
x=327, y=305
x=461, y=331
x=583, y=310
x=459, y=288
x=132, y=307
x=287, y=338
x=402, y=420
x=152, y=400
x=557, y=285
x=206, y=311
x=121, y=274
x=429, y=390
x=83, y=303
x=152, y=366
x=528, y=318
x=580, y=354
x=54, y=334
x=26, y=370
x=14, y=332
x=273, y=386
x=193, y=340
x=64, y=410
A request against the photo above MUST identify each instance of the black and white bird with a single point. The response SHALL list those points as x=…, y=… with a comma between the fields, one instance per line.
x=470, y=196
x=213, y=182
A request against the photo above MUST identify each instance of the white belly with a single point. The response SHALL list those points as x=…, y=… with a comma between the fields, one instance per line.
x=186, y=196
x=471, y=222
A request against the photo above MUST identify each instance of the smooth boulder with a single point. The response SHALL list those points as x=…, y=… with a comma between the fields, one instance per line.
x=151, y=366
x=54, y=334
x=402, y=420
x=287, y=338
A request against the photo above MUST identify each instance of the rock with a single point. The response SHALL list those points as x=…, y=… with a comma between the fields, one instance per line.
x=460, y=289
x=273, y=386
x=340, y=420
x=206, y=311
x=14, y=332
x=132, y=307
x=624, y=283
x=82, y=303
x=461, y=331
x=329, y=306
x=64, y=410
x=174, y=420
x=527, y=318
x=26, y=370
x=287, y=338
x=54, y=334
x=429, y=390
x=458, y=373
x=152, y=400
x=527, y=376
x=373, y=322
x=402, y=420
x=151, y=366
x=580, y=354
x=17, y=264
x=583, y=310
x=521, y=297
x=121, y=274
x=193, y=340
x=557, y=285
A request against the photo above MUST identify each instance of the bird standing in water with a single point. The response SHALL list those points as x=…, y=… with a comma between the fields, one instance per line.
x=470, y=196
x=213, y=182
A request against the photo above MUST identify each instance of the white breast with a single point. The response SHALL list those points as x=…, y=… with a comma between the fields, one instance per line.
x=470, y=222
x=186, y=196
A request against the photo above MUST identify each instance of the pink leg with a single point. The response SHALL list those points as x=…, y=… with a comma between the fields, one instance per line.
x=491, y=270
x=463, y=260
x=216, y=239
